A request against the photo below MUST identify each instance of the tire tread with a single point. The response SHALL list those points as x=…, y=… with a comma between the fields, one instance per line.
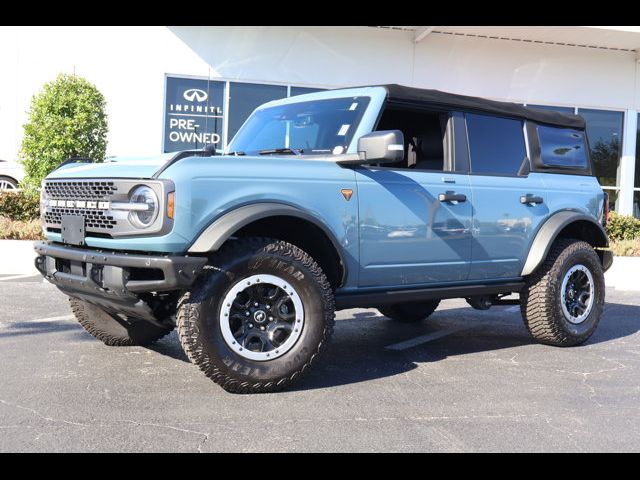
x=538, y=298
x=188, y=314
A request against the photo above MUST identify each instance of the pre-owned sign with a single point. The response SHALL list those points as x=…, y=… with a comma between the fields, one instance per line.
x=193, y=113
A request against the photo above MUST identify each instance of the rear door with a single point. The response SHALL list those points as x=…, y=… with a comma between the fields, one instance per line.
x=508, y=200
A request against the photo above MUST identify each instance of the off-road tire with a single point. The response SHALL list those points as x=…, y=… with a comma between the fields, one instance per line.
x=115, y=331
x=540, y=300
x=410, y=312
x=199, y=309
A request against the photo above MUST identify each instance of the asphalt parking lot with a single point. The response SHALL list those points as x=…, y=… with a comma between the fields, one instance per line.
x=464, y=380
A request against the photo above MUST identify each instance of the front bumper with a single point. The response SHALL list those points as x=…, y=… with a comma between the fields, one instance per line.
x=115, y=280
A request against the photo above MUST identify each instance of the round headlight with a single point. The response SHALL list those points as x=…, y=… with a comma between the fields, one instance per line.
x=146, y=215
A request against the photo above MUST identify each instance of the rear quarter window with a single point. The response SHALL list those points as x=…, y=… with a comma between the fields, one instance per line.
x=562, y=147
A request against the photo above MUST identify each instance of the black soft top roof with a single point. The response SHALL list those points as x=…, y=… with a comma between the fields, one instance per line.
x=402, y=94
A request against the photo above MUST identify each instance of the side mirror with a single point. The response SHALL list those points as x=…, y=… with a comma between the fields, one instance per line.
x=386, y=146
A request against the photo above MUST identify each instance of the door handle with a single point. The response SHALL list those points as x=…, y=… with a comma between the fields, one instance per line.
x=452, y=197
x=529, y=199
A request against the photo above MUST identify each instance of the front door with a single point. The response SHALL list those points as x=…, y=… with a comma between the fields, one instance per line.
x=415, y=226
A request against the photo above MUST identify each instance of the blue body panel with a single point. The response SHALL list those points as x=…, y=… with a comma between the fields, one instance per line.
x=126, y=168
x=503, y=228
x=208, y=187
x=407, y=236
x=393, y=232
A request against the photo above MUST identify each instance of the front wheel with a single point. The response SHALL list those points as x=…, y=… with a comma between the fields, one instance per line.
x=259, y=318
x=563, y=300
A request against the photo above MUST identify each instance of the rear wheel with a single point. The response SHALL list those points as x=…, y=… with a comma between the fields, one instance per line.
x=115, y=330
x=563, y=300
x=409, y=312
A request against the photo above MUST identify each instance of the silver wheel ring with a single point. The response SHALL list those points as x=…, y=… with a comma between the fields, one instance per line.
x=225, y=309
x=563, y=289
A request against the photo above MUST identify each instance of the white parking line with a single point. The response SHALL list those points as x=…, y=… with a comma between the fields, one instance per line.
x=16, y=277
x=53, y=319
x=425, y=338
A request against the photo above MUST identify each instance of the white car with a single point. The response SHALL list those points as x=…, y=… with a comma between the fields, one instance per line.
x=11, y=174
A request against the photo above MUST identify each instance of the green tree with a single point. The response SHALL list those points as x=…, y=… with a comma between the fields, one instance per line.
x=67, y=118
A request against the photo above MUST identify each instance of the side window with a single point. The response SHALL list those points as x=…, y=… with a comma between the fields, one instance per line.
x=562, y=147
x=424, y=136
x=496, y=145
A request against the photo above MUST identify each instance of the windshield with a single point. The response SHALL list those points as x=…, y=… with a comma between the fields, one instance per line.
x=317, y=127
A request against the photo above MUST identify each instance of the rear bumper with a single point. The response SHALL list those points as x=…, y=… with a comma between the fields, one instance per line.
x=115, y=280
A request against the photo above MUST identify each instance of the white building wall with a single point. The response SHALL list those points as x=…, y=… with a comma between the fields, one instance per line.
x=128, y=64
x=527, y=72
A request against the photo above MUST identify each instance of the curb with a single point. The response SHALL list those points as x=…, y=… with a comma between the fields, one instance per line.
x=17, y=256
x=623, y=274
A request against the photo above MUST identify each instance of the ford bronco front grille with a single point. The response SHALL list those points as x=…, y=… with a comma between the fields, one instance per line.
x=81, y=190
x=84, y=192
x=102, y=202
x=94, y=219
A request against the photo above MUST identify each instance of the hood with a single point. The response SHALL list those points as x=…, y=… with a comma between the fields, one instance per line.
x=114, y=168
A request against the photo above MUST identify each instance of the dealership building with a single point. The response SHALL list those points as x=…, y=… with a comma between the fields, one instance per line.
x=172, y=88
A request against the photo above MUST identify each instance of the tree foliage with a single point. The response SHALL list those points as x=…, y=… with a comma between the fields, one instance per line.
x=67, y=118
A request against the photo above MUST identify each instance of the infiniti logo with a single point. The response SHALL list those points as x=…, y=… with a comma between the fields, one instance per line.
x=195, y=95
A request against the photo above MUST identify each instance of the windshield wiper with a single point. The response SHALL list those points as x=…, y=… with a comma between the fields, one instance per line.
x=236, y=154
x=289, y=151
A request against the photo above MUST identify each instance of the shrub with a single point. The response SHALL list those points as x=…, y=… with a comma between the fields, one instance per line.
x=20, y=229
x=19, y=204
x=623, y=227
x=66, y=119
x=626, y=248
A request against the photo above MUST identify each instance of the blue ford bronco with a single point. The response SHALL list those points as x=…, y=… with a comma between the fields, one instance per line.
x=385, y=197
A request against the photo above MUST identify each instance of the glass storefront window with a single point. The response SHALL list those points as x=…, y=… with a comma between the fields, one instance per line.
x=636, y=204
x=604, y=129
x=552, y=107
x=245, y=97
x=302, y=90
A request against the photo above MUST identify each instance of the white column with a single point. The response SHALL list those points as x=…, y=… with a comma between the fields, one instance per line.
x=626, y=169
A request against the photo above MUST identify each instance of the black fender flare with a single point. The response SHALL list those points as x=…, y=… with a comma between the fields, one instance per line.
x=549, y=232
x=219, y=231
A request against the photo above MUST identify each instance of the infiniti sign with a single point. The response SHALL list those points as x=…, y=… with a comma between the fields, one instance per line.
x=195, y=94
x=193, y=113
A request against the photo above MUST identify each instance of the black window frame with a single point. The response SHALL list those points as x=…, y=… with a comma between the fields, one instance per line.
x=525, y=166
x=535, y=151
x=455, y=148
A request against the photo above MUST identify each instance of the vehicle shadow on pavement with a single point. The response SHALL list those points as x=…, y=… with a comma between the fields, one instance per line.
x=170, y=347
x=357, y=352
x=15, y=329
